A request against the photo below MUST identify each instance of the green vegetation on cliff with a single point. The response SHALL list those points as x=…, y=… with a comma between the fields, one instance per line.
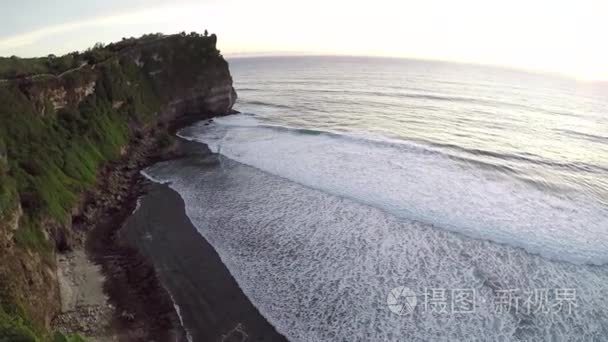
x=57, y=132
x=15, y=67
x=7, y=184
x=52, y=159
x=49, y=161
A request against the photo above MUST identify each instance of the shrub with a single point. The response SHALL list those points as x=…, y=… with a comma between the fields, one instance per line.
x=14, y=329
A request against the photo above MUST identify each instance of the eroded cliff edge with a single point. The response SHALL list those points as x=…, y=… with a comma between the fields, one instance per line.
x=57, y=135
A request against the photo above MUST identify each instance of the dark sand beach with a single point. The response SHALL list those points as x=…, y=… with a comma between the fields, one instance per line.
x=138, y=266
x=210, y=303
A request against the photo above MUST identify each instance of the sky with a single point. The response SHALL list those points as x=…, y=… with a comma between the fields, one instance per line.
x=560, y=36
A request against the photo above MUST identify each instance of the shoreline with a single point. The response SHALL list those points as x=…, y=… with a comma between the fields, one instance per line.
x=208, y=299
x=130, y=301
x=132, y=305
x=140, y=309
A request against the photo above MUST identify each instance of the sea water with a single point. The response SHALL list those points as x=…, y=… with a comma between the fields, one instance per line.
x=346, y=178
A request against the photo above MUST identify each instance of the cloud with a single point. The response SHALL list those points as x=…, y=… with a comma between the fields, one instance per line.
x=161, y=14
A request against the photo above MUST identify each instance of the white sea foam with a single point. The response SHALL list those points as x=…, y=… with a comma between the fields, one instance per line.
x=320, y=267
x=179, y=316
x=153, y=179
x=137, y=205
x=413, y=183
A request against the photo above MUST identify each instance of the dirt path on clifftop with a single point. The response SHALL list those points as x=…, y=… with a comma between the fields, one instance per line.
x=4, y=81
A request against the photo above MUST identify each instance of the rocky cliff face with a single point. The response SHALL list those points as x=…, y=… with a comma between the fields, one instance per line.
x=206, y=88
x=188, y=73
x=56, y=132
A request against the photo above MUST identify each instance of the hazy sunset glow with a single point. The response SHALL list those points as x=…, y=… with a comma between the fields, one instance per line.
x=566, y=37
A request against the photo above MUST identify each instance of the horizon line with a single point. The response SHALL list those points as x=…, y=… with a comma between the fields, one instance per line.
x=287, y=54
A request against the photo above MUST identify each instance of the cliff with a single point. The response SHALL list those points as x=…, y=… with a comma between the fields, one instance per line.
x=60, y=127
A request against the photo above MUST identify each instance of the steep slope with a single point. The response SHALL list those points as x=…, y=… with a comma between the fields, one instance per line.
x=57, y=131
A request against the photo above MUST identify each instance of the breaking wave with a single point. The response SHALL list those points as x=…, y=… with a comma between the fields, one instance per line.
x=420, y=182
x=319, y=267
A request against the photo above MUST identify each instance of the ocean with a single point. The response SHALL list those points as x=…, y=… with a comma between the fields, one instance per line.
x=376, y=199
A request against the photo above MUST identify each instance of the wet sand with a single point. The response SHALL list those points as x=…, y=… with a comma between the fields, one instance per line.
x=209, y=301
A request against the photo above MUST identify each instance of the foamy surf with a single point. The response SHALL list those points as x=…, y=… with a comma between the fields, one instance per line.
x=414, y=183
x=319, y=267
x=153, y=179
x=178, y=311
x=325, y=224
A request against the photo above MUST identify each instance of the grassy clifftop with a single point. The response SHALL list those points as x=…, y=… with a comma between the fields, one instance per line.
x=14, y=67
x=61, y=119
